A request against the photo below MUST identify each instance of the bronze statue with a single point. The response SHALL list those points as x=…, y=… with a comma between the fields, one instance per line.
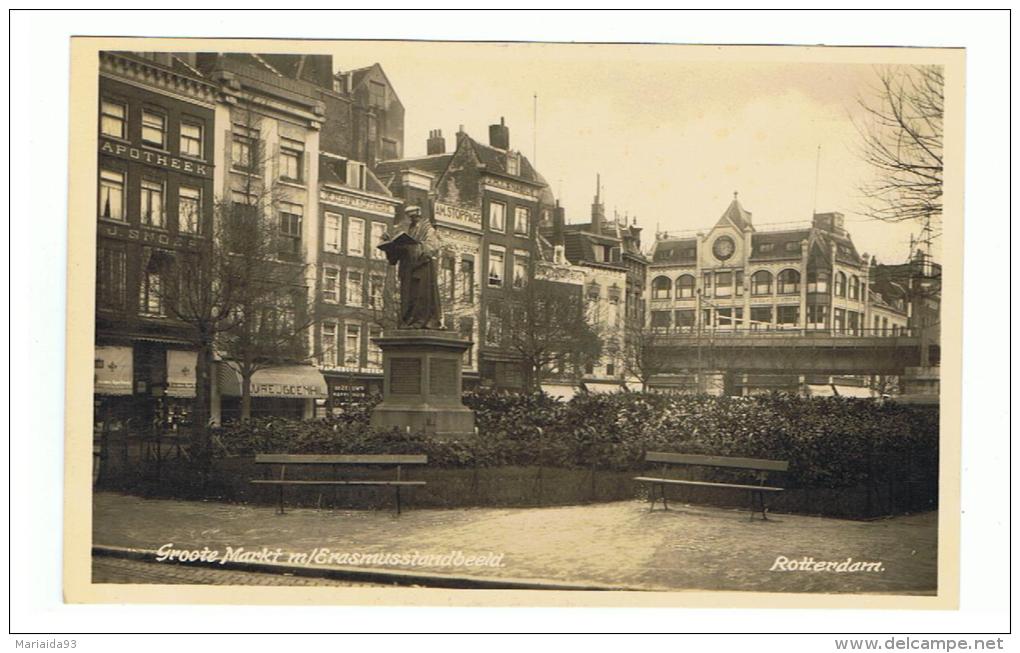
x=415, y=250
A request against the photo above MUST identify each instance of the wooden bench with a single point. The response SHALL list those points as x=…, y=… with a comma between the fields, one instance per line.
x=760, y=467
x=337, y=463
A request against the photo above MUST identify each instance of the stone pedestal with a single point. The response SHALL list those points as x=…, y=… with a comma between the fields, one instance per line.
x=422, y=383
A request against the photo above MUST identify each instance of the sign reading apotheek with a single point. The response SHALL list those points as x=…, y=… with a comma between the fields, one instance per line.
x=155, y=158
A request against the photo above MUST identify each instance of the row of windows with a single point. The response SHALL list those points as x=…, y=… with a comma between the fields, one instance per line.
x=353, y=288
x=152, y=207
x=333, y=230
x=498, y=266
x=347, y=353
x=113, y=122
x=727, y=284
x=765, y=317
x=521, y=218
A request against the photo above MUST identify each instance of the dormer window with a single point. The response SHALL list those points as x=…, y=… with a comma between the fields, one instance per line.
x=513, y=163
x=766, y=248
x=356, y=175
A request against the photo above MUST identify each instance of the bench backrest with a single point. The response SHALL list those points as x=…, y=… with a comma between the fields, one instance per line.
x=322, y=459
x=759, y=464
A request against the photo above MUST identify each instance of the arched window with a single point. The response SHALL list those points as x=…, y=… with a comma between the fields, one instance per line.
x=840, y=284
x=818, y=281
x=761, y=283
x=685, y=286
x=855, y=287
x=660, y=288
x=788, y=282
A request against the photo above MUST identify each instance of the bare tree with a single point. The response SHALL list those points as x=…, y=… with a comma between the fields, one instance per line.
x=901, y=139
x=544, y=323
x=641, y=352
x=244, y=293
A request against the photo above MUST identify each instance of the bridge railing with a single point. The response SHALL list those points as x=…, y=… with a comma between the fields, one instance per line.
x=781, y=331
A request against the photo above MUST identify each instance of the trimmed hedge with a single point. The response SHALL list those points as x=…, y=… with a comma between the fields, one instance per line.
x=829, y=442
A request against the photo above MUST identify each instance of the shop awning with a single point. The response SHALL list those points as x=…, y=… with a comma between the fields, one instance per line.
x=285, y=381
x=603, y=388
x=113, y=371
x=180, y=373
x=564, y=391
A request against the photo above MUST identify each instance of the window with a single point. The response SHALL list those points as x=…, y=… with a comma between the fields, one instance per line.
x=684, y=319
x=352, y=345
x=522, y=218
x=447, y=280
x=610, y=369
x=594, y=291
x=520, y=269
x=788, y=282
x=885, y=325
x=818, y=281
x=788, y=316
x=331, y=235
x=855, y=288
x=660, y=288
x=661, y=320
x=356, y=175
x=243, y=152
x=513, y=163
x=330, y=285
x=466, y=328
x=723, y=284
x=328, y=345
x=191, y=139
x=374, y=352
x=354, y=288
x=707, y=283
x=839, y=320
x=816, y=315
x=497, y=216
x=292, y=155
x=152, y=203
x=376, y=94
x=111, y=194
x=766, y=248
x=761, y=317
x=111, y=276
x=378, y=230
x=494, y=326
x=725, y=317
x=853, y=322
x=150, y=297
x=290, y=228
x=355, y=237
x=153, y=129
x=113, y=119
x=792, y=246
x=761, y=283
x=467, y=279
x=496, y=259
x=189, y=208
x=840, y=288
x=376, y=283
x=739, y=283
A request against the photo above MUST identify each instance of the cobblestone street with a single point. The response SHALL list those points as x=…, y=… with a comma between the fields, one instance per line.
x=116, y=570
x=620, y=544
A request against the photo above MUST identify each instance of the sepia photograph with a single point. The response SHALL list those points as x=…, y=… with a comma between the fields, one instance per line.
x=641, y=322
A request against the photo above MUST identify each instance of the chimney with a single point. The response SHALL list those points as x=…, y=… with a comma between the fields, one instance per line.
x=499, y=135
x=559, y=222
x=598, y=209
x=436, y=144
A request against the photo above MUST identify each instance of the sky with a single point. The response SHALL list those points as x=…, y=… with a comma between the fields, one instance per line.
x=672, y=131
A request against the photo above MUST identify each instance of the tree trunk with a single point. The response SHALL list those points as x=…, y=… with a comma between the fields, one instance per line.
x=203, y=401
x=245, y=395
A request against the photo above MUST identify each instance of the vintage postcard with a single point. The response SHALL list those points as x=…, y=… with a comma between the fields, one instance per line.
x=373, y=322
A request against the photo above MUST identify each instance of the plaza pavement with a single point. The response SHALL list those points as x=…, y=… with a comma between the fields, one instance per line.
x=620, y=545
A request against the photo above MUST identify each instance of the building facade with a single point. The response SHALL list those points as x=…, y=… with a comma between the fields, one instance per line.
x=155, y=199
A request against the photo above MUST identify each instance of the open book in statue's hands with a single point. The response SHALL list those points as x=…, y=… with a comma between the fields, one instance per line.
x=394, y=243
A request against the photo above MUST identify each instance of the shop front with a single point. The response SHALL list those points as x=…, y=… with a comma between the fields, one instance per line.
x=281, y=391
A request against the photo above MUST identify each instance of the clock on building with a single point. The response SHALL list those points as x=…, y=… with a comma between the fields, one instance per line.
x=723, y=247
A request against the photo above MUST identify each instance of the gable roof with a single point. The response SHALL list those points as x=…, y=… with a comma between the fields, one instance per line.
x=358, y=76
x=736, y=216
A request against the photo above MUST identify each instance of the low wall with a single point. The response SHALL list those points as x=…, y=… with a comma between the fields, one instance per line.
x=508, y=486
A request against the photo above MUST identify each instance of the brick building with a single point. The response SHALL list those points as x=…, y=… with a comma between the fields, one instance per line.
x=154, y=201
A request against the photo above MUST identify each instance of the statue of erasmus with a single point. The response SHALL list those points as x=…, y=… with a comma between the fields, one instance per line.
x=415, y=252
